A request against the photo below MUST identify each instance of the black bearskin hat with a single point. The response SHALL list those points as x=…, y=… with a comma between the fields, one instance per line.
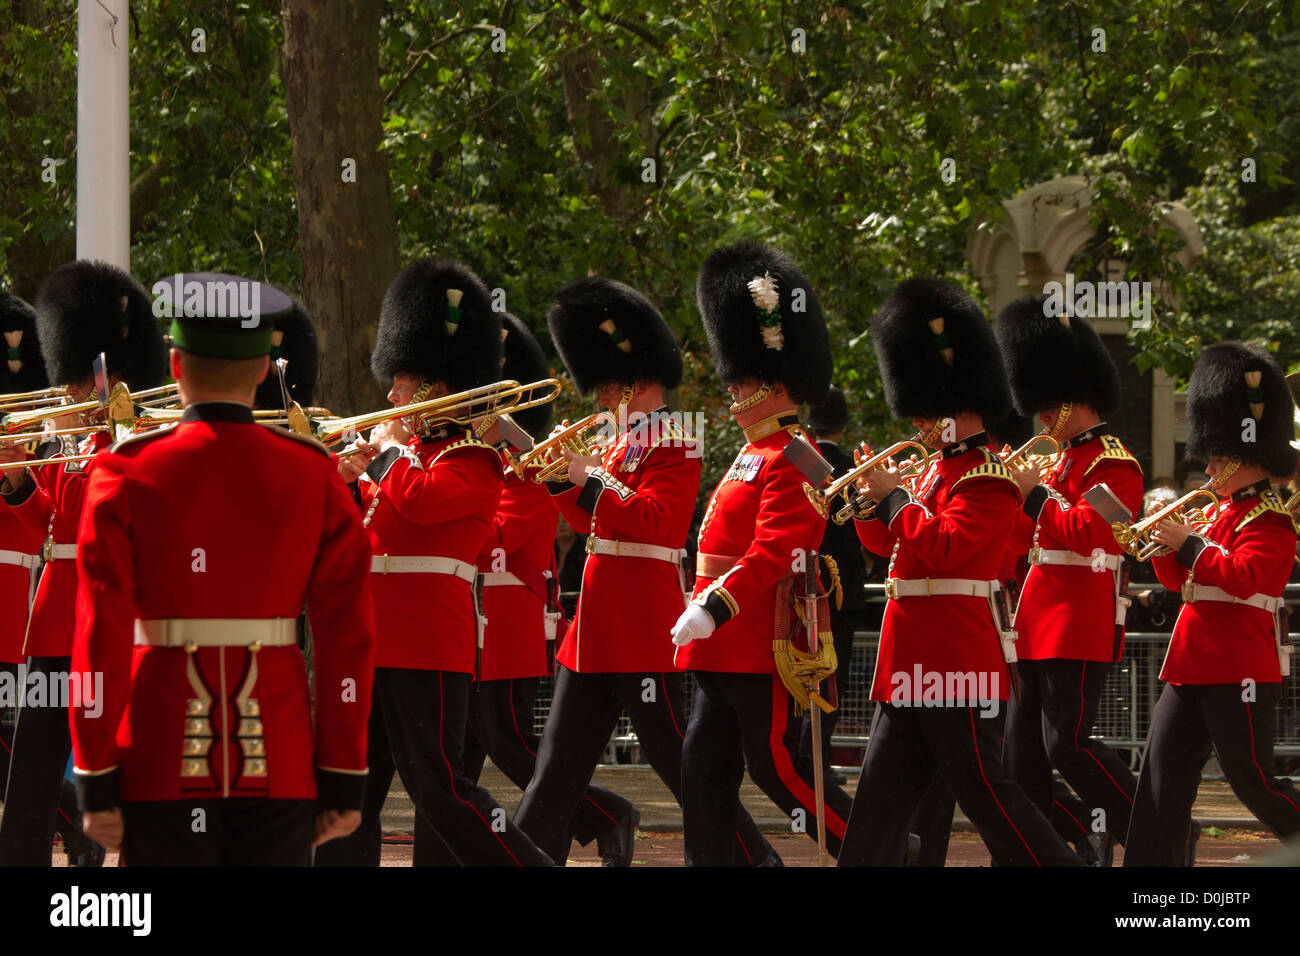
x=301, y=352
x=932, y=369
x=85, y=308
x=763, y=320
x=830, y=415
x=524, y=361
x=606, y=331
x=25, y=369
x=1055, y=359
x=1221, y=404
x=422, y=331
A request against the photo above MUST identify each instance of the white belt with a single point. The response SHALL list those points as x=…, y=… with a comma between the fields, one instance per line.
x=24, y=560
x=59, y=552
x=963, y=587
x=634, y=549
x=1113, y=562
x=927, y=587
x=496, y=579
x=1202, y=592
x=217, y=632
x=417, y=564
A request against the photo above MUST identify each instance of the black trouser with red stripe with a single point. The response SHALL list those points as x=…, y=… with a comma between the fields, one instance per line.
x=1049, y=726
x=932, y=820
x=243, y=831
x=584, y=713
x=501, y=727
x=418, y=722
x=1188, y=720
x=908, y=746
x=1071, y=817
x=739, y=722
x=38, y=799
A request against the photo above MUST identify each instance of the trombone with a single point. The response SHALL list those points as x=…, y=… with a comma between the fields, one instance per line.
x=463, y=408
x=857, y=503
x=1043, y=464
x=120, y=407
x=1136, y=538
x=547, y=457
x=53, y=394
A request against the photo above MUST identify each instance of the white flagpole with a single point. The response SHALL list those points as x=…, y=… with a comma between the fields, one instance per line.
x=103, y=133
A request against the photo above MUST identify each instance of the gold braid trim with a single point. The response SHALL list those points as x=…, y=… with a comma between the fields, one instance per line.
x=1112, y=450
x=467, y=442
x=836, y=587
x=1269, y=502
x=801, y=672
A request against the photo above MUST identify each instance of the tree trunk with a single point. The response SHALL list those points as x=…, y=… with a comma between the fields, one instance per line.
x=347, y=230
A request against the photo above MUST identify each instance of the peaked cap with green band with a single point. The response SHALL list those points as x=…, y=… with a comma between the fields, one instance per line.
x=221, y=316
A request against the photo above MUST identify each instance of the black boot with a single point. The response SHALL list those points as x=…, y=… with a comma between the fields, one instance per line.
x=615, y=846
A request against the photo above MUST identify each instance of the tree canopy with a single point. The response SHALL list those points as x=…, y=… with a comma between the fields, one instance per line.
x=539, y=142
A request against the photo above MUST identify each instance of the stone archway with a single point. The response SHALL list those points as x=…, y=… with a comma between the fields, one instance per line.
x=1044, y=227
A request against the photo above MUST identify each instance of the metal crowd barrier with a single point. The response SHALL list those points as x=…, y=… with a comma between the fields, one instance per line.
x=1130, y=694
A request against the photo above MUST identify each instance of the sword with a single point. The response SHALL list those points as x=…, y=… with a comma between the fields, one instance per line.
x=811, y=589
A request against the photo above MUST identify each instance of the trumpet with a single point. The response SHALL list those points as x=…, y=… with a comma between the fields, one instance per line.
x=857, y=503
x=547, y=457
x=1043, y=464
x=463, y=408
x=1136, y=538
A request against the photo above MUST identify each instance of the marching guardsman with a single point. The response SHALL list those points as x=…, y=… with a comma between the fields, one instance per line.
x=205, y=752
x=941, y=671
x=521, y=603
x=1227, y=657
x=429, y=492
x=1071, y=614
x=769, y=344
x=83, y=309
x=635, y=502
x=932, y=819
x=20, y=561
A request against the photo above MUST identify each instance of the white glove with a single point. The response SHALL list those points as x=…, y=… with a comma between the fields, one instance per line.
x=695, y=624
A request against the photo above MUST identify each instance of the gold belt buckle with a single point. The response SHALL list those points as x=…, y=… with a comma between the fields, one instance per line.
x=591, y=544
x=1188, y=590
x=891, y=588
x=47, y=549
x=1035, y=555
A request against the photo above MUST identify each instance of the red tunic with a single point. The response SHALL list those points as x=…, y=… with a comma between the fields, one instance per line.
x=955, y=526
x=58, y=490
x=221, y=518
x=521, y=542
x=1068, y=611
x=436, y=498
x=15, y=584
x=1248, y=549
x=759, y=513
x=643, y=493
